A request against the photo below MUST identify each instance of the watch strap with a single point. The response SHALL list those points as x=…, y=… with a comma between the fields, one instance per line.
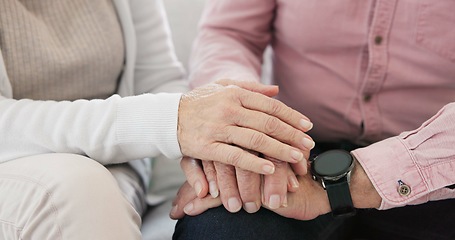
x=340, y=198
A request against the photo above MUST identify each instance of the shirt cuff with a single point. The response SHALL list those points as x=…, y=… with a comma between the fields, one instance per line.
x=389, y=164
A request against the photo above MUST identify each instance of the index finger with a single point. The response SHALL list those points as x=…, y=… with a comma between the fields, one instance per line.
x=271, y=106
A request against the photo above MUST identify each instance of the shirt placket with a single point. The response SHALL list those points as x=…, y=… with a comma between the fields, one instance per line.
x=378, y=41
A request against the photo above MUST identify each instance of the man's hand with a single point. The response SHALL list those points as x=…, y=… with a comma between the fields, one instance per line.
x=311, y=200
x=237, y=187
x=218, y=122
x=241, y=188
x=307, y=202
x=186, y=202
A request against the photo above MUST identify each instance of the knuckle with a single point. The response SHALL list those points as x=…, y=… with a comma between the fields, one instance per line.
x=276, y=182
x=220, y=133
x=211, y=152
x=249, y=183
x=234, y=157
x=246, y=176
x=257, y=141
x=249, y=193
x=275, y=107
x=229, y=187
x=238, y=117
x=225, y=171
x=205, y=150
x=233, y=92
x=210, y=172
x=272, y=125
x=229, y=113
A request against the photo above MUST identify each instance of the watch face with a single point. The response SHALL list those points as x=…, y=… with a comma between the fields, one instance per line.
x=332, y=163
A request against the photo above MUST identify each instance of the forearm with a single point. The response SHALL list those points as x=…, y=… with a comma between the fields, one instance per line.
x=109, y=131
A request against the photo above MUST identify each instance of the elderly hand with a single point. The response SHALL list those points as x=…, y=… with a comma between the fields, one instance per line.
x=308, y=202
x=187, y=202
x=305, y=203
x=311, y=200
x=237, y=187
x=217, y=122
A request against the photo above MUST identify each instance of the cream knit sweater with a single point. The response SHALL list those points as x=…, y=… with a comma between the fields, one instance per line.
x=119, y=129
x=61, y=49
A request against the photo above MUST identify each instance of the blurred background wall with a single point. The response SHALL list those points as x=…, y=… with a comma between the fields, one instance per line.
x=183, y=17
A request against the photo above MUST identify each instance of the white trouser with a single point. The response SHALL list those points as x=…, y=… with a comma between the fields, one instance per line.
x=63, y=196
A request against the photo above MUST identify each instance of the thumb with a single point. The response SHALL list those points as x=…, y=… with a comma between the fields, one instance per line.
x=195, y=176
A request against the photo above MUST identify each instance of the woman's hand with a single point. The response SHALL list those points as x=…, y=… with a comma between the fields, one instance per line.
x=218, y=121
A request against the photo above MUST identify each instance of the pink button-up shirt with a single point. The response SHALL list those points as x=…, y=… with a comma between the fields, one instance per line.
x=366, y=71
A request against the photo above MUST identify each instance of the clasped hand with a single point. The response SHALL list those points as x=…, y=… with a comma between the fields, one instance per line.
x=305, y=201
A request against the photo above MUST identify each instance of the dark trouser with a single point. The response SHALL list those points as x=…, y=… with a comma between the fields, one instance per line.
x=430, y=221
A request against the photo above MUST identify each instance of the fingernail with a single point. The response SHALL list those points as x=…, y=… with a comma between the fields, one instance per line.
x=268, y=169
x=308, y=143
x=285, y=201
x=250, y=207
x=213, y=189
x=297, y=155
x=234, y=204
x=188, y=208
x=306, y=124
x=294, y=182
x=174, y=210
x=198, y=188
x=274, y=201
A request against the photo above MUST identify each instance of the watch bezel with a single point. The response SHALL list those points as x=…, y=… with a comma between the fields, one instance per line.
x=345, y=172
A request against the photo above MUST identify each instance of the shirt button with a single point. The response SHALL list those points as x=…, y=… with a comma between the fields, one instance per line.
x=404, y=190
x=367, y=97
x=378, y=40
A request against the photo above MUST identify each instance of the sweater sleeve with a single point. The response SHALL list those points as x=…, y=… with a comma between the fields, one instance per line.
x=232, y=37
x=423, y=159
x=109, y=131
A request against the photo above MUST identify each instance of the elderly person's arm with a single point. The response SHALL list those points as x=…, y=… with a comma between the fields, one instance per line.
x=423, y=159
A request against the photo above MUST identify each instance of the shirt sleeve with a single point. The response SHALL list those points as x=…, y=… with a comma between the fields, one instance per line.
x=423, y=159
x=232, y=37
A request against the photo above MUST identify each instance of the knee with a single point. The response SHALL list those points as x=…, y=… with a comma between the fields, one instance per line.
x=217, y=223
x=68, y=191
x=72, y=178
x=74, y=173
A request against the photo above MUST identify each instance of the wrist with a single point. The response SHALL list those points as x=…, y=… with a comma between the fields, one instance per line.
x=363, y=193
x=333, y=169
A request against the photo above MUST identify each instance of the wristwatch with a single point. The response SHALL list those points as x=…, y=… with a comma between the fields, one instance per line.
x=333, y=170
